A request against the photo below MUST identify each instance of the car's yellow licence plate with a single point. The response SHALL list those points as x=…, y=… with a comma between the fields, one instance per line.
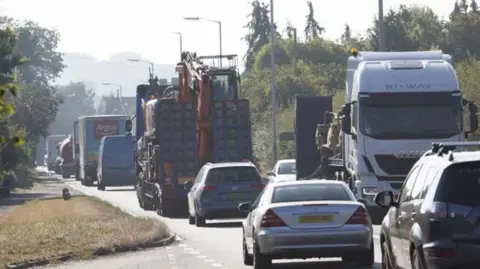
x=315, y=218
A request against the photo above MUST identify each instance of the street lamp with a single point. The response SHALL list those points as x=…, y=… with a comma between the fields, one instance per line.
x=219, y=31
x=181, y=42
x=152, y=65
x=113, y=84
x=381, y=24
x=273, y=88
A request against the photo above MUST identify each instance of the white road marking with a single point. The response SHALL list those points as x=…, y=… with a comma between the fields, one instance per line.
x=216, y=264
x=194, y=252
x=201, y=257
x=209, y=260
x=188, y=249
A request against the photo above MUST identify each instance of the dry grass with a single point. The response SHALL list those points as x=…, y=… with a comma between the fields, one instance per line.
x=46, y=228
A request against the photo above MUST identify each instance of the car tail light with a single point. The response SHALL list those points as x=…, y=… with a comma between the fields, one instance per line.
x=270, y=220
x=209, y=188
x=360, y=216
x=441, y=253
x=257, y=187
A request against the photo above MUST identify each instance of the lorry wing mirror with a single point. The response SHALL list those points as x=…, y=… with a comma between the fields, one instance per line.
x=347, y=124
x=346, y=109
x=473, y=123
x=128, y=125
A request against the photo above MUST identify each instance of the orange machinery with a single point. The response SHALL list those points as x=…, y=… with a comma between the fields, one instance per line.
x=196, y=85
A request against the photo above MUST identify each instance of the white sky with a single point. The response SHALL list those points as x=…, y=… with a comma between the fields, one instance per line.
x=104, y=27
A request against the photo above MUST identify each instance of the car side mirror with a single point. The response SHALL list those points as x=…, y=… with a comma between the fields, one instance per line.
x=384, y=199
x=188, y=185
x=128, y=125
x=271, y=174
x=245, y=207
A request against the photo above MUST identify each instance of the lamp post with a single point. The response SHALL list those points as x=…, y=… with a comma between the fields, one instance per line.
x=381, y=24
x=219, y=31
x=116, y=85
x=273, y=88
x=152, y=65
x=181, y=42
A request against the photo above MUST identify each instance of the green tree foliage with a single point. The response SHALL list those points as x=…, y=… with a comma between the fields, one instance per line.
x=77, y=101
x=312, y=29
x=318, y=67
x=37, y=101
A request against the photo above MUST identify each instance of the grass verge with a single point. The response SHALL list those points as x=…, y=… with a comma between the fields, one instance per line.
x=82, y=227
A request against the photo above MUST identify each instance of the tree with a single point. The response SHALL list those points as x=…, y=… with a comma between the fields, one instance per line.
x=10, y=135
x=77, y=101
x=312, y=29
x=38, y=45
x=258, y=31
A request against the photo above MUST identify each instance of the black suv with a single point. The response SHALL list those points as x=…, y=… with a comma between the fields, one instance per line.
x=435, y=223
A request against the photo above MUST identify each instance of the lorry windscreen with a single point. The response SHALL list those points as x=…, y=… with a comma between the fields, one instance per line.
x=410, y=121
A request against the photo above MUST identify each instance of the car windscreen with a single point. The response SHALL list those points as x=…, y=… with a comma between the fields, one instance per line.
x=310, y=192
x=287, y=168
x=222, y=175
x=460, y=184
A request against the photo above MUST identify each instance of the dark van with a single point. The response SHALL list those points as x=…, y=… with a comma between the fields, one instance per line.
x=116, y=163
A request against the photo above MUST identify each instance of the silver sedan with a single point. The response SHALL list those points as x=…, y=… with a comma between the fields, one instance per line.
x=306, y=219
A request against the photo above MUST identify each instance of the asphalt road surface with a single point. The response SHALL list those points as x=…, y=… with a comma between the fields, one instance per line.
x=218, y=245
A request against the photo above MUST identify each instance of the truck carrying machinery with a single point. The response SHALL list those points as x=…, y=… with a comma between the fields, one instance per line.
x=396, y=104
x=76, y=150
x=67, y=165
x=180, y=128
x=51, y=150
x=91, y=129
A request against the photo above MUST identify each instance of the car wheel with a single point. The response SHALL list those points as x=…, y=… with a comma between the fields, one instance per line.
x=191, y=220
x=366, y=258
x=416, y=259
x=247, y=258
x=199, y=220
x=260, y=261
x=385, y=260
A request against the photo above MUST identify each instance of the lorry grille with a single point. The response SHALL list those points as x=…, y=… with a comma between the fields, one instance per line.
x=395, y=166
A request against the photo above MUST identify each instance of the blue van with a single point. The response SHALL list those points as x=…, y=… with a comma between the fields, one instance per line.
x=116, y=162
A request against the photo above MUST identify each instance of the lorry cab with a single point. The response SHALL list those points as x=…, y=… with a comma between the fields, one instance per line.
x=116, y=163
x=396, y=104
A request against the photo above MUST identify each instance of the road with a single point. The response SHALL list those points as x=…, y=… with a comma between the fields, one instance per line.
x=218, y=245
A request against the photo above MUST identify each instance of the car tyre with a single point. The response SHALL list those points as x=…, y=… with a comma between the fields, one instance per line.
x=416, y=259
x=385, y=260
x=247, y=258
x=366, y=259
x=191, y=220
x=100, y=186
x=199, y=221
x=260, y=261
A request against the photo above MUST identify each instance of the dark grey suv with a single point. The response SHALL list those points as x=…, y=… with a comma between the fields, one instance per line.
x=435, y=223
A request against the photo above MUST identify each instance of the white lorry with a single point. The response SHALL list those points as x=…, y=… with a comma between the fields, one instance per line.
x=396, y=105
x=51, y=150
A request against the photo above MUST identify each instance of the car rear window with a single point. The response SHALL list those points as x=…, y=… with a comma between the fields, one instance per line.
x=460, y=184
x=310, y=192
x=287, y=168
x=233, y=174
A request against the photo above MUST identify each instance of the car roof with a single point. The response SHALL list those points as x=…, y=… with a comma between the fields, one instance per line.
x=452, y=158
x=286, y=161
x=309, y=182
x=231, y=164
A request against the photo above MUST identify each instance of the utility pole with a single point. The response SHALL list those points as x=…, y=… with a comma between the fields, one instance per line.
x=294, y=50
x=381, y=24
x=273, y=86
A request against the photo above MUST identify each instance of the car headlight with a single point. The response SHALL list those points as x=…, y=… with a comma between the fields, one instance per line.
x=369, y=191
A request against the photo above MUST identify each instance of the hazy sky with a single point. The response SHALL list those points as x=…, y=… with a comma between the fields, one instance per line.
x=104, y=27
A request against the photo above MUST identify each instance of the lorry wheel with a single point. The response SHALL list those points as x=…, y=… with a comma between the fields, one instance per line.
x=88, y=183
x=164, y=207
x=100, y=187
x=65, y=176
x=82, y=181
